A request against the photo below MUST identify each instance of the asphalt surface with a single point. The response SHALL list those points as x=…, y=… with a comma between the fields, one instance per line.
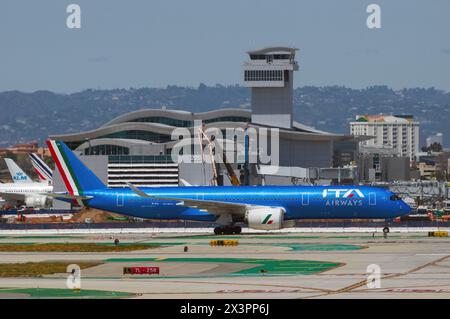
x=333, y=265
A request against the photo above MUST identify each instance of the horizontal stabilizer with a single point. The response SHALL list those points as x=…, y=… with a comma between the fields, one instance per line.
x=185, y=182
x=68, y=196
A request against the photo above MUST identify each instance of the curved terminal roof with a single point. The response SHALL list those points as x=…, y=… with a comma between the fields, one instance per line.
x=179, y=115
x=127, y=122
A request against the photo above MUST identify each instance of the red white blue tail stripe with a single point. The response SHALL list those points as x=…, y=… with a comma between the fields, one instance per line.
x=42, y=170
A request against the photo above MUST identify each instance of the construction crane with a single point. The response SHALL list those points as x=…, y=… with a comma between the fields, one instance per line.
x=216, y=147
x=230, y=171
x=201, y=136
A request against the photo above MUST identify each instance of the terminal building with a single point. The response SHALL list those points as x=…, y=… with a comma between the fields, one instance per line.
x=136, y=147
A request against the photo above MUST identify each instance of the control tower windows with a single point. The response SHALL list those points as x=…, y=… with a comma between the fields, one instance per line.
x=264, y=75
x=270, y=57
x=281, y=57
x=286, y=76
x=257, y=57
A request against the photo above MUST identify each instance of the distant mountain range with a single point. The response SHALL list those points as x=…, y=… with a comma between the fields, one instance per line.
x=34, y=116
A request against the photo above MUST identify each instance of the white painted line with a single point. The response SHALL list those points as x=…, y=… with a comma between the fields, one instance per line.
x=155, y=230
x=433, y=254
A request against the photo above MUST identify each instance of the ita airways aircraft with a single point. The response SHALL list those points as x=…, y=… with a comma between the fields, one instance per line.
x=261, y=207
x=24, y=192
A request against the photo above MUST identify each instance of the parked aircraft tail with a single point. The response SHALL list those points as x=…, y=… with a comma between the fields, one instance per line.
x=42, y=170
x=17, y=174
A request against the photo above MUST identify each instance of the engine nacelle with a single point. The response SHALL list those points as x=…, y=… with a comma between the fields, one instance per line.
x=36, y=201
x=265, y=218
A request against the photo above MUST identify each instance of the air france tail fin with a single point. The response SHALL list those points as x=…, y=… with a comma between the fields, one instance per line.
x=77, y=177
x=17, y=174
x=42, y=170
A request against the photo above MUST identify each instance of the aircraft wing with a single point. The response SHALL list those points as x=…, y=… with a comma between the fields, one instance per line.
x=12, y=196
x=214, y=207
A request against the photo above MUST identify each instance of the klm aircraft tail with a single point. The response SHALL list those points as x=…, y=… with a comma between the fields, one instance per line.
x=42, y=170
x=76, y=176
x=17, y=174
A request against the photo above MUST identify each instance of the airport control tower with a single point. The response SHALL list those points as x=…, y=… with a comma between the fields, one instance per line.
x=269, y=73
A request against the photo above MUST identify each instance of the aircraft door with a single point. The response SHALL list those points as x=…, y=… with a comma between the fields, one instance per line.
x=372, y=199
x=119, y=200
x=200, y=196
x=305, y=199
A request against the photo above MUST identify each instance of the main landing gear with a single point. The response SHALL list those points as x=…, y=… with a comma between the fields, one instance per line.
x=386, y=227
x=227, y=230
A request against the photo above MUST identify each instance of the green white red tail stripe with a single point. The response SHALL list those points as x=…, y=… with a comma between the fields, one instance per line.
x=64, y=168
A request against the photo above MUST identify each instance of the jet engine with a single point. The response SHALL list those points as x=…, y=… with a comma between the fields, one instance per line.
x=36, y=201
x=265, y=218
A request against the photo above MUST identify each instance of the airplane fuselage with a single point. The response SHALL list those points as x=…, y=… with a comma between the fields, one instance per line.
x=298, y=202
x=25, y=189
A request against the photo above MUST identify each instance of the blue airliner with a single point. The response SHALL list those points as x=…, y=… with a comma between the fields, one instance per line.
x=261, y=207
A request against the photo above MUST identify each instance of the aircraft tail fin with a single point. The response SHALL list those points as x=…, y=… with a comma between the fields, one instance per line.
x=17, y=174
x=42, y=170
x=77, y=177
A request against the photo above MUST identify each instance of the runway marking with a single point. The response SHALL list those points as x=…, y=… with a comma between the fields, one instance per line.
x=433, y=254
x=364, y=282
x=405, y=287
x=243, y=284
x=122, y=280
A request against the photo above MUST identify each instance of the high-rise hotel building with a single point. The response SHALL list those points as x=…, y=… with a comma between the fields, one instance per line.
x=399, y=132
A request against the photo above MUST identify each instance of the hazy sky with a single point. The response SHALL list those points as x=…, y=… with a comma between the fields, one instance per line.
x=133, y=43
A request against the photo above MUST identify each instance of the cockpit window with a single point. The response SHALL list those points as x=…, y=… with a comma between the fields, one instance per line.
x=395, y=197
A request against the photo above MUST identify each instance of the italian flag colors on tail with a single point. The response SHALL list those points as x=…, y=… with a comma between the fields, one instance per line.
x=64, y=167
